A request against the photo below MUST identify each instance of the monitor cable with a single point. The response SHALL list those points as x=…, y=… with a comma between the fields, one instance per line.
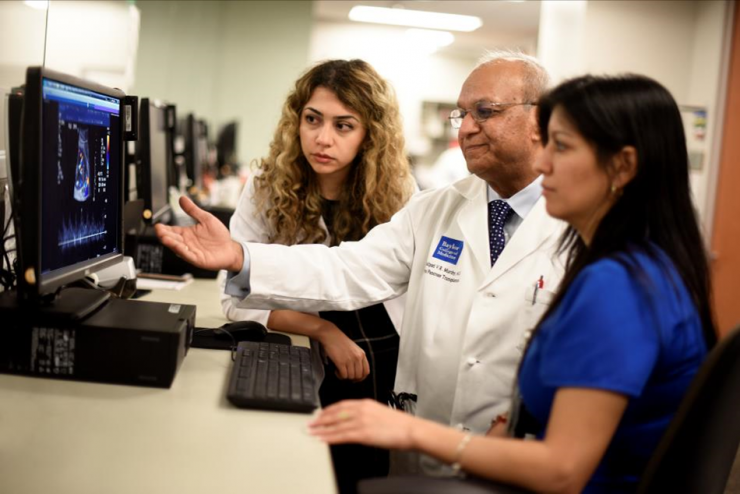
x=219, y=331
x=7, y=268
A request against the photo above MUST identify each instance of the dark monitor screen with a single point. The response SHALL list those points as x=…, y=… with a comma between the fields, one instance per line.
x=12, y=156
x=202, y=149
x=195, y=152
x=158, y=138
x=69, y=206
x=226, y=144
x=154, y=156
x=80, y=194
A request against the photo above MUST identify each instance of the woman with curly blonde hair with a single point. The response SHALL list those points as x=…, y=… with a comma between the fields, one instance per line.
x=336, y=169
x=296, y=176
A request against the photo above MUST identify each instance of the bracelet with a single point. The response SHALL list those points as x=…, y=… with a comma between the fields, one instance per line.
x=459, y=451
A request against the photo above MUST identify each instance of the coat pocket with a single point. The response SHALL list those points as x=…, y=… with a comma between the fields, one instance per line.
x=536, y=303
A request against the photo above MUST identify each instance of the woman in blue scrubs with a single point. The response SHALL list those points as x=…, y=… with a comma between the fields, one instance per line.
x=610, y=361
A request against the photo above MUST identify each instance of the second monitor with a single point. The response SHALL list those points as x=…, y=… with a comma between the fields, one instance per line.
x=155, y=159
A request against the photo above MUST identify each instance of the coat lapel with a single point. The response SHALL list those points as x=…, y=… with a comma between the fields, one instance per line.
x=534, y=231
x=472, y=220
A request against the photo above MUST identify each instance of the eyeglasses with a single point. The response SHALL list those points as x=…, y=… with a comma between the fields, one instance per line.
x=482, y=112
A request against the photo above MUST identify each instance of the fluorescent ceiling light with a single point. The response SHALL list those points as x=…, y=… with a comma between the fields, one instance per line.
x=38, y=4
x=415, y=18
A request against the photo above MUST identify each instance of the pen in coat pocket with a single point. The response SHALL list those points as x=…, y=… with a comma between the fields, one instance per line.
x=539, y=284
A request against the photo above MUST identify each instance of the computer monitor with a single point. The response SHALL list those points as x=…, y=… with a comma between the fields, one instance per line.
x=12, y=153
x=202, y=148
x=69, y=202
x=155, y=159
x=195, y=151
x=226, y=145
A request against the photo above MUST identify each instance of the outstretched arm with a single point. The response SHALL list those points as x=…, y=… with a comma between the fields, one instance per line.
x=207, y=244
x=581, y=425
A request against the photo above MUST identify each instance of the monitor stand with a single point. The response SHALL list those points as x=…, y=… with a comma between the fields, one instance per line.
x=73, y=303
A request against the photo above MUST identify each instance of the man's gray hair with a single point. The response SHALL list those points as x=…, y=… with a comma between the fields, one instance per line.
x=536, y=78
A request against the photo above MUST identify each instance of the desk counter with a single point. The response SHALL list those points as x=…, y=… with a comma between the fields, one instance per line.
x=84, y=438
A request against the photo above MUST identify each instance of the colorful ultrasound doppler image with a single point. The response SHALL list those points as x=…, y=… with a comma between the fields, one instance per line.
x=80, y=192
x=82, y=173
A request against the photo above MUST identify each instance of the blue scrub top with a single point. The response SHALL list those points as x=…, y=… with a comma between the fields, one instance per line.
x=626, y=325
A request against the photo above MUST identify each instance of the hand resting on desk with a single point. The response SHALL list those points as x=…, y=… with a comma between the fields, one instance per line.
x=207, y=244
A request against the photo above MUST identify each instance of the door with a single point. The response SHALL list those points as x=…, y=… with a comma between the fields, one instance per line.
x=726, y=230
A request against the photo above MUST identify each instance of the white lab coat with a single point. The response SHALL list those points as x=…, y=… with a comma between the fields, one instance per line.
x=464, y=324
x=249, y=224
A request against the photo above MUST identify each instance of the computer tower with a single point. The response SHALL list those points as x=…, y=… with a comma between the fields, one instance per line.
x=124, y=342
x=150, y=256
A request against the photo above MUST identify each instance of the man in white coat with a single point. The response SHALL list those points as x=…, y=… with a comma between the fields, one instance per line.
x=477, y=258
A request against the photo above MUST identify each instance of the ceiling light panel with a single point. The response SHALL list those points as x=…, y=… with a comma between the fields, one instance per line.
x=415, y=18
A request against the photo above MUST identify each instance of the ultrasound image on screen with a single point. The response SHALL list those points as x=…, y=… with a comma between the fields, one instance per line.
x=82, y=172
x=80, y=194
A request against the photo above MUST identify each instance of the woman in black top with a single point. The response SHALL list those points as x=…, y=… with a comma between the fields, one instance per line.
x=336, y=168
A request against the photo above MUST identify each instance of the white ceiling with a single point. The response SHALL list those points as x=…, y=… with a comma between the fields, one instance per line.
x=506, y=24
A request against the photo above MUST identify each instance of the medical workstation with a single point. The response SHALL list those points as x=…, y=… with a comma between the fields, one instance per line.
x=131, y=366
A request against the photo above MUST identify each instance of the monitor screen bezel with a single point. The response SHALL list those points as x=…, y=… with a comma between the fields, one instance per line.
x=31, y=281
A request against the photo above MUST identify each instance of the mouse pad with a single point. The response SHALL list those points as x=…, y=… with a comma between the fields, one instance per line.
x=206, y=338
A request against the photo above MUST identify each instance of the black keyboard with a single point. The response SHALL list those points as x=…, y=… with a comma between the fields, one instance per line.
x=272, y=376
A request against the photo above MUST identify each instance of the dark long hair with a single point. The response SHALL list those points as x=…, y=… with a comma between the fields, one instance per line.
x=655, y=208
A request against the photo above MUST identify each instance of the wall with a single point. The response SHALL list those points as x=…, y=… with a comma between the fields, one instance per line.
x=22, y=38
x=224, y=61
x=704, y=91
x=93, y=40
x=178, y=43
x=726, y=234
x=648, y=37
x=678, y=43
x=561, y=43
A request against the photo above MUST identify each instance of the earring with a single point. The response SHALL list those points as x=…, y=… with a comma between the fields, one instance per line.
x=613, y=189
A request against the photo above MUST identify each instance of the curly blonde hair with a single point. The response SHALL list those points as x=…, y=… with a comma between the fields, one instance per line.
x=379, y=182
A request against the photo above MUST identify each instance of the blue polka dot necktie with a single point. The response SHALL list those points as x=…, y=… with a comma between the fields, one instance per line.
x=498, y=212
